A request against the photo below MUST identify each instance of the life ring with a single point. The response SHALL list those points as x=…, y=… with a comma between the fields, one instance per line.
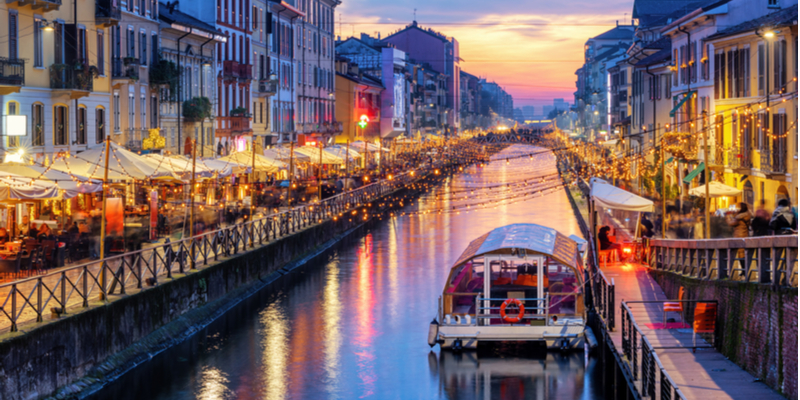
x=512, y=319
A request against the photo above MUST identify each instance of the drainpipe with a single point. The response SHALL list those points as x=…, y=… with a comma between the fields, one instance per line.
x=292, y=87
x=278, y=88
x=688, y=91
x=654, y=76
x=203, y=93
x=180, y=71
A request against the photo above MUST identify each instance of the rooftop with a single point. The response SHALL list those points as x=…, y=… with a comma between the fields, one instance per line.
x=785, y=17
x=174, y=16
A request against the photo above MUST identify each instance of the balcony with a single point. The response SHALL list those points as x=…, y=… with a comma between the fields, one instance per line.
x=125, y=69
x=230, y=69
x=773, y=159
x=245, y=72
x=267, y=87
x=44, y=5
x=740, y=159
x=235, y=125
x=107, y=12
x=332, y=128
x=77, y=80
x=12, y=75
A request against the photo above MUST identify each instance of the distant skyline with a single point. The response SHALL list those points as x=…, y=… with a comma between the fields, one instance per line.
x=532, y=49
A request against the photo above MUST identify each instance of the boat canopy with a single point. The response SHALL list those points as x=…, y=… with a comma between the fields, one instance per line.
x=612, y=197
x=531, y=237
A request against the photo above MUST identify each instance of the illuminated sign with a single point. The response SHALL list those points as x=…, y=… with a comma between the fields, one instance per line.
x=16, y=125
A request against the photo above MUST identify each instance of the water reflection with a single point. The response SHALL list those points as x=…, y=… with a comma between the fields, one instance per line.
x=275, y=334
x=473, y=375
x=353, y=324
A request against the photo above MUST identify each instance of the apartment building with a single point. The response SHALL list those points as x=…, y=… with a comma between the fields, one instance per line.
x=55, y=77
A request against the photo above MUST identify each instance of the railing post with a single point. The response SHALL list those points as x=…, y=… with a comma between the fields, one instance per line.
x=63, y=292
x=85, y=286
x=13, y=295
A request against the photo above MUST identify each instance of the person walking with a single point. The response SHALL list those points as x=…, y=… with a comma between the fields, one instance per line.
x=740, y=222
x=783, y=221
x=760, y=223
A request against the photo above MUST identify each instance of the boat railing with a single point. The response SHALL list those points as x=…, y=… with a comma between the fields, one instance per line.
x=485, y=311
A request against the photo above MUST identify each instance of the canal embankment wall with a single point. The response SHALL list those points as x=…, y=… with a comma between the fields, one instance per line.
x=73, y=356
x=756, y=325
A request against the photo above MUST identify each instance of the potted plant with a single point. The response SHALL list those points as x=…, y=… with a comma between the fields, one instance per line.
x=196, y=109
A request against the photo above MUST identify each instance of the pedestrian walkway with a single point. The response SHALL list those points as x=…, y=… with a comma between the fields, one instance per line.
x=705, y=374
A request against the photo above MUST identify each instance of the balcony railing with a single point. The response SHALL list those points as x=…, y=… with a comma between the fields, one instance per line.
x=12, y=71
x=230, y=69
x=267, y=87
x=740, y=158
x=64, y=76
x=245, y=72
x=773, y=157
x=107, y=12
x=125, y=68
x=46, y=5
x=235, y=124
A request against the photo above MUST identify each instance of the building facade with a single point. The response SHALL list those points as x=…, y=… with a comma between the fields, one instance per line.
x=359, y=96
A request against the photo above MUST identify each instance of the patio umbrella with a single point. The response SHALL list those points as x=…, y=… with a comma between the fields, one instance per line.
x=123, y=165
x=17, y=187
x=224, y=168
x=339, y=151
x=182, y=166
x=71, y=184
x=284, y=154
x=314, y=154
x=262, y=163
x=371, y=147
x=715, y=189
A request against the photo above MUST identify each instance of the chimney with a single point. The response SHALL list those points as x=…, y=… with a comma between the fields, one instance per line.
x=617, y=22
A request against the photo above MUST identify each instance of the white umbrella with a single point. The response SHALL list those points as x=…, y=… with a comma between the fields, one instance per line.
x=182, y=166
x=371, y=147
x=122, y=165
x=340, y=151
x=71, y=184
x=261, y=163
x=715, y=189
x=224, y=168
x=314, y=154
x=284, y=154
x=18, y=187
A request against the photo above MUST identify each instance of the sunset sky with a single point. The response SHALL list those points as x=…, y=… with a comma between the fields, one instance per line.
x=532, y=48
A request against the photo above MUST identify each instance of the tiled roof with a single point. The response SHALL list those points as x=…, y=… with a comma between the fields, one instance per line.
x=676, y=9
x=414, y=25
x=658, y=57
x=785, y=17
x=618, y=32
x=176, y=16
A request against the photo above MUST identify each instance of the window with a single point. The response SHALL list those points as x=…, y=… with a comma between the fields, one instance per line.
x=153, y=112
x=101, y=53
x=83, y=58
x=131, y=42
x=719, y=75
x=131, y=110
x=143, y=111
x=779, y=69
x=60, y=126
x=704, y=60
x=81, y=138
x=154, y=48
x=58, y=43
x=13, y=20
x=100, y=124
x=773, y=4
x=255, y=18
x=37, y=43
x=143, y=48
x=116, y=112
x=693, y=61
x=12, y=109
x=37, y=124
x=761, y=68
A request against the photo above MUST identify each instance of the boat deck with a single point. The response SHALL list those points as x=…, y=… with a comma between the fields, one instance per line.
x=706, y=374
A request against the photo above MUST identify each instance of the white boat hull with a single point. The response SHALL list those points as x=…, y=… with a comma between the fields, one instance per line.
x=468, y=337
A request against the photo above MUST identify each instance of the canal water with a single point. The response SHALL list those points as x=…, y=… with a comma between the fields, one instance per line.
x=354, y=323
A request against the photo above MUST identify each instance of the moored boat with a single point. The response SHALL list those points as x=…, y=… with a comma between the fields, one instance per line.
x=534, y=291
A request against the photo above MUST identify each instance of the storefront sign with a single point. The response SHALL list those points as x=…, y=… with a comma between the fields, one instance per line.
x=114, y=216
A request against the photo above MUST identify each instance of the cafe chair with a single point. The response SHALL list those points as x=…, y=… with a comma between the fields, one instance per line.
x=25, y=260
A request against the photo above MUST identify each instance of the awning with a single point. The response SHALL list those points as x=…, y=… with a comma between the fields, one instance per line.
x=694, y=173
x=262, y=163
x=612, y=197
x=122, y=165
x=715, y=189
x=70, y=184
x=680, y=103
x=314, y=155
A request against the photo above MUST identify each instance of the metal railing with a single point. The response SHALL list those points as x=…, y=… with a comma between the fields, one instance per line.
x=125, y=68
x=604, y=297
x=64, y=76
x=485, y=312
x=12, y=71
x=763, y=259
x=649, y=376
x=27, y=300
x=740, y=158
x=773, y=157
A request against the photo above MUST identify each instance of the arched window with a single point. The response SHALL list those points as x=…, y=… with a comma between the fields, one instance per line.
x=60, y=126
x=100, y=124
x=81, y=139
x=12, y=108
x=748, y=196
x=37, y=124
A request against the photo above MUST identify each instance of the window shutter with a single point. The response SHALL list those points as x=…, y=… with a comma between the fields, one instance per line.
x=12, y=36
